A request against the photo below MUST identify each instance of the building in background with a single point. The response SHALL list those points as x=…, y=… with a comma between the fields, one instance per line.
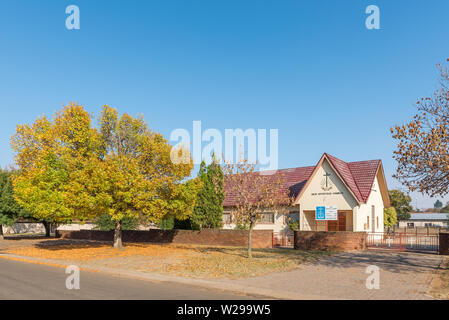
x=333, y=195
x=425, y=219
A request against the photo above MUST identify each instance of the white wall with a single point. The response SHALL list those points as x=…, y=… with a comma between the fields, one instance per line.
x=279, y=224
x=339, y=195
x=76, y=226
x=24, y=228
x=422, y=224
x=364, y=211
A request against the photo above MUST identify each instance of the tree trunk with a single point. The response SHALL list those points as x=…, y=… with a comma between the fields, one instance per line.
x=118, y=235
x=47, y=226
x=1, y=232
x=250, y=240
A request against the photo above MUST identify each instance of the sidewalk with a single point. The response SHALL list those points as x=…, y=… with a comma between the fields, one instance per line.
x=403, y=275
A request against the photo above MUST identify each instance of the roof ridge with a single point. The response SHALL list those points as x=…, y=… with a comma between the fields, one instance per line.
x=361, y=161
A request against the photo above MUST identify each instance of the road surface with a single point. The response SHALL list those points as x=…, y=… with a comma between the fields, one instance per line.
x=20, y=280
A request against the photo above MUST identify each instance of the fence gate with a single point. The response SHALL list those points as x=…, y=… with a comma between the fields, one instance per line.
x=422, y=242
x=283, y=239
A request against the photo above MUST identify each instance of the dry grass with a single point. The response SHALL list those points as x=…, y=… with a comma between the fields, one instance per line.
x=440, y=284
x=182, y=260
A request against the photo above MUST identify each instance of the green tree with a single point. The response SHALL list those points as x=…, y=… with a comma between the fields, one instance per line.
x=390, y=218
x=401, y=202
x=438, y=205
x=208, y=209
x=167, y=223
x=105, y=223
x=10, y=210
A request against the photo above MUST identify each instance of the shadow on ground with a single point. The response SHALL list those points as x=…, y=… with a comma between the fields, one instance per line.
x=392, y=261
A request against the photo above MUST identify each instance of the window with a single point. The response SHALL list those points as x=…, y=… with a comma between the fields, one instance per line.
x=367, y=222
x=377, y=222
x=410, y=225
x=291, y=216
x=267, y=217
x=227, y=218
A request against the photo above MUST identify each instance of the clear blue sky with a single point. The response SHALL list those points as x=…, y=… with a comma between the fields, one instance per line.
x=308, y=68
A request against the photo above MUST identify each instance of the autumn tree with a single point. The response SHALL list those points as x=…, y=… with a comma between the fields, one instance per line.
x=70, y=169
x=139, y=178
x=50, y=154
x=254, y=193
x=208, y=209
x=401, y=202
x=422, y=150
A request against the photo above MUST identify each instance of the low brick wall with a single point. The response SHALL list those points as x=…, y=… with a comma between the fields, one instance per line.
x=444, y=243
x=330, y=241
x=260, y=238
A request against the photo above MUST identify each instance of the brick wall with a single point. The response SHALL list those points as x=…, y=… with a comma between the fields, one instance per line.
x=444, y=243
x=260, y=238
x=330, y=241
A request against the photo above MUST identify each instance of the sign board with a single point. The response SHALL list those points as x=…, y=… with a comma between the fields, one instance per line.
x=326, y=213
x=320, y=213
x=331, y=213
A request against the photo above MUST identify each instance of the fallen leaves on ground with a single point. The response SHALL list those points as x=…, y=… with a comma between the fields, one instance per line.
x=182, y=260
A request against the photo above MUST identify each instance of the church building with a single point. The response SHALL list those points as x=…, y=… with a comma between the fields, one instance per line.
x=333, y=195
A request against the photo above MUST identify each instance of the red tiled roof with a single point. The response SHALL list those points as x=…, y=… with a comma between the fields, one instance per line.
x=358, y=176
x=364, y=173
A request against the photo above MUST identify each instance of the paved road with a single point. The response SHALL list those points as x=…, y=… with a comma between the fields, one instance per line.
x=19, y=280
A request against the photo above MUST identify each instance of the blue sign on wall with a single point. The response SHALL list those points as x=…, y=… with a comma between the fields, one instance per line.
x=320, y=213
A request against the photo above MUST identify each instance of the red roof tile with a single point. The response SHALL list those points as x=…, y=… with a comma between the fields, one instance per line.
x=358, y=176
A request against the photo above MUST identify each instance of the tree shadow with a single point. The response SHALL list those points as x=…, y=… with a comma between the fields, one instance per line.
x=261, y=253
x=387, y=260
x=26, y=237
x=64, y=244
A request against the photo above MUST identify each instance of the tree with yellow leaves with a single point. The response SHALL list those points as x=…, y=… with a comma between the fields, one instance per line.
x=121, y=168
x=47, y=154
x=422, y=149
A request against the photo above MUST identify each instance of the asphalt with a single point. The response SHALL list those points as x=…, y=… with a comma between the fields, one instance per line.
x=20, y=280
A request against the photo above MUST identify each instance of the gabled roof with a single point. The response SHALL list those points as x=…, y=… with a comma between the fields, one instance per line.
x=358, y=176
x=295, y=180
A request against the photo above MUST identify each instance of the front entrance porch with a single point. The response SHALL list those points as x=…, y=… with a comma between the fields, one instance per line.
x=344, y=222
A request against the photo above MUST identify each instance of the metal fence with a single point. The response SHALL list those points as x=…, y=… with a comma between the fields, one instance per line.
x=418, y=230
x=403, y=241
x=283, y=239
